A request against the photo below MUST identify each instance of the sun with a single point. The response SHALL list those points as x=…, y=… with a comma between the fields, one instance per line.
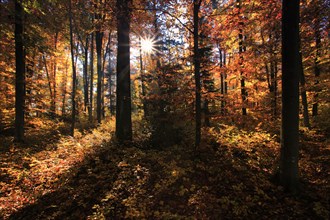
x=147, y=45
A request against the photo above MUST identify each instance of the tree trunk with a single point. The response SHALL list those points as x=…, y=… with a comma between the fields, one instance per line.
x=98, y=40
x=110, y=81
x=198, y=118
x=222, y=83
x=53, y=106
x=288, y=169
x=240, y=52
x=107, y=53
x=123, y=105
x=74, y=75
x=20, y=72
x=91, y=92
x=64, y=87
x=85, y=78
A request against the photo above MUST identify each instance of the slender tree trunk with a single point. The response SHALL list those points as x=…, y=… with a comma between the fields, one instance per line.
x=107, y=53
x=198, y=118
x=53, y=106
x=123, y=105
x=91, y=92
x=110, y=81
x=98, y=40
x=240, y=51
x=74, y=75
x=272, y=88
x=225, y=74
x=222, y=83
x=20, y=72
x=288, y=170
x=85, y=78
x=64, y=87
x=275, y=88
x=30, y=71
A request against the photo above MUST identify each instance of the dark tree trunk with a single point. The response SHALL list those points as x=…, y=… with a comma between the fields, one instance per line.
x=85, y=78
x=222, y=83
x=225, y=74
x=110, y=80
x=288, y=169
x=123, y=105
x=240, y=51
x=198, y=117
x=98, y=40
x=91, y=92
x=74, y=75
x=273, y=89
x=20, y=72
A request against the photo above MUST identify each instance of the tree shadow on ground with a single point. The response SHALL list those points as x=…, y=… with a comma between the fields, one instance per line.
x=82, y=187
x=126, y=182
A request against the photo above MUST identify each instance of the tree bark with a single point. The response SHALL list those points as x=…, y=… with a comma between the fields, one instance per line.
x=240, y=52
x=85, y=74
x=288, y=169
x=110, y=80
x=74, y=75
x=53, y=106
x=91, y=92
x=98, y=40
x=123, y=105
x=20, y=72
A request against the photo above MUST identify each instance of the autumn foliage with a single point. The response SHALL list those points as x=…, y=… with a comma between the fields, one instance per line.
x=160, y=109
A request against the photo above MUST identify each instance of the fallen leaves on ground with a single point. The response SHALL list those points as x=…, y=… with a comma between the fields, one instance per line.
x=229, y=177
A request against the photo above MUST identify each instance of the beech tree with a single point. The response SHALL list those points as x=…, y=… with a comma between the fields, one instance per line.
x=74, y=74
x=288, y=173
x=98, y=41
x=20, y=72
x=123, y=105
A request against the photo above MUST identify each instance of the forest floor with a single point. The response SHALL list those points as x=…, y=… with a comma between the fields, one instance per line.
x=55, y=176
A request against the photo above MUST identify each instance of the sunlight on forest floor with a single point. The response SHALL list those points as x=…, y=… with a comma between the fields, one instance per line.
x=91, y=177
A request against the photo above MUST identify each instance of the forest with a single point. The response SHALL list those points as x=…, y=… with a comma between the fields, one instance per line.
x=164, y=109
